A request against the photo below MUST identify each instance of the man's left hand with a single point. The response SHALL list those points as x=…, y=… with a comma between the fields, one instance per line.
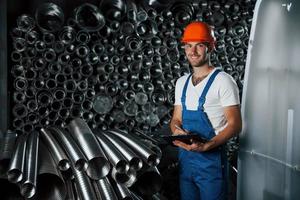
x=195, y=146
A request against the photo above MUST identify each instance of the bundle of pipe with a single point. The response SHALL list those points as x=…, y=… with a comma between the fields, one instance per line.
x=59, y=164
x=126, y=48
x=126, y=154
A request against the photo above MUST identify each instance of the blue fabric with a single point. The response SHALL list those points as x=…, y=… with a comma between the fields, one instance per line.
x=201, y=173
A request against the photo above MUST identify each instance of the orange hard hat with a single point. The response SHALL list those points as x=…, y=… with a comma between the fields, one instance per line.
x=199, y=32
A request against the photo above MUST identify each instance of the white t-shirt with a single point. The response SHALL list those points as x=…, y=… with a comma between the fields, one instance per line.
x=222, y=92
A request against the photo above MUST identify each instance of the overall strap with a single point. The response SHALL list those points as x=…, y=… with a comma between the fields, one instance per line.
x=183, y=95
x=206, y=88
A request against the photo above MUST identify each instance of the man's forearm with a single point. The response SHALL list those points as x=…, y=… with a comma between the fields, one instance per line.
x=224, y=136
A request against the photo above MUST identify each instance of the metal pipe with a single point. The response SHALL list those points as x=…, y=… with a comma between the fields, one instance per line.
x=127, y=28
x=71, y=192
x=87, y=105
x=98, y=166
x=92, y=81
x=21, y=84
x=122, y=191
x=148, y=88
x=83, y=185
x=59, y=47
x=92, y=58
x=49, y=17
x=19, y=44
x=113, y=154
x=64, y=58
x=105, y=190
x=135, y=196
x=49, y=55
x=82, y=85
x=64, y=113
x=146, y=153
x=90, y=93
x=76, y=76
x=122, y=84
x=19, y=97
x=115, y=60
x=48, y=38
x=38, y=83
x=59, y=94
x=72, y=150
x=30, y=52
x=70, y=86
x=86, y=70
x=44, y=74
x=98, y=48
x=55, y=149
x=28, y=186
x=44, y=122
x=18, y=71
x=32, y=118
x=87, y=116
x=128, y=95
x=39, y=64
x=44, y=98
x=76, y=112
x=78, y=97
x=111, y=89
x=18, y=123
x=19, y=110
x=31, y=37
x=40, y=46
x=16, y=56
x=56, y=105
x=135, y=163
x=89, y=17
x=67, y=35
x=51, y=84
x=83, y=37
x=114, y=26
x=50, y=183
x=82, y=50
x=28, y=128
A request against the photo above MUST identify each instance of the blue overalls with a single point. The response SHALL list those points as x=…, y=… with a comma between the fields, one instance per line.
x=202, y=175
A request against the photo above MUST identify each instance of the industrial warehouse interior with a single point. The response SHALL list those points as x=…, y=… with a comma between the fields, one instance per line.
x=90, y=96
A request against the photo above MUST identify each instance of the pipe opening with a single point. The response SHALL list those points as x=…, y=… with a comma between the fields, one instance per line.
x=28, y=190
x=15, y=175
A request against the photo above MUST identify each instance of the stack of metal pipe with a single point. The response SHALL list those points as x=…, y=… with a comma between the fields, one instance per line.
x=77, y=162
x=125, y=52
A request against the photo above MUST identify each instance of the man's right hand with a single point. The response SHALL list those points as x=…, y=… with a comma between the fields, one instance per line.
x=179, y=131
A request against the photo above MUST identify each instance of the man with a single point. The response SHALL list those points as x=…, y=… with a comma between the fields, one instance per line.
x=207, y=104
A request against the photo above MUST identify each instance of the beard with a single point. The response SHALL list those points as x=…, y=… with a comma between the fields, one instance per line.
x=199, y=63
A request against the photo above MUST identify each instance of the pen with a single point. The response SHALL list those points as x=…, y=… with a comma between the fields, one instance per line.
x=176, y=126
x=179, y=128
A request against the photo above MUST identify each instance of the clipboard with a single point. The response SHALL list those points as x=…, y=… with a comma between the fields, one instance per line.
x=183, y=138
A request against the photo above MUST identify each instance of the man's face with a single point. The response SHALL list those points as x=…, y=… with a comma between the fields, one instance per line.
x=197, y=53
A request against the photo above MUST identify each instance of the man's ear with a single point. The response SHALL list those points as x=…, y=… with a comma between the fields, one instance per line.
x=209, y=48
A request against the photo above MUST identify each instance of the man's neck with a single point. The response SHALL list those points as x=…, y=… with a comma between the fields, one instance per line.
x=202, y=71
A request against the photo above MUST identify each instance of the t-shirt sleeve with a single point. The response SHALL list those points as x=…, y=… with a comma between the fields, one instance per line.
x=229, y=92
x=178, y=90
